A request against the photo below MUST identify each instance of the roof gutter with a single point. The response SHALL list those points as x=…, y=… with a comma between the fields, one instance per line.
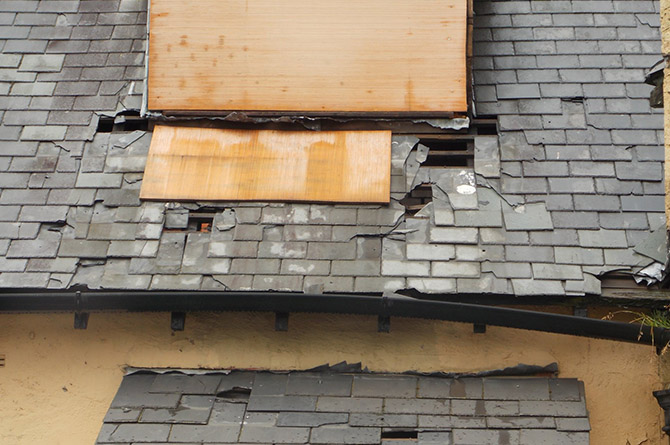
x=285, y=302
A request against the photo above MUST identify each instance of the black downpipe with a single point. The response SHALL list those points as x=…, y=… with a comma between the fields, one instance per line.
x=394, y=306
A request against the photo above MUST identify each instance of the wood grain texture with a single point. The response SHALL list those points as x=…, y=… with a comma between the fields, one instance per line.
x=207, y=164
x=308, y=55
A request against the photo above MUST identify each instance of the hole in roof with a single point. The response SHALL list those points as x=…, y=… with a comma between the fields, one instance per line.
x=448, y=152
x=403, y=434
x=201, y=221
x=417, y=199
x=105, y=124
x=236, y=393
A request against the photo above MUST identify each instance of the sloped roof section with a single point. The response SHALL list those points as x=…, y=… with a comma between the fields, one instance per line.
x=339, y=408
x=569, y=185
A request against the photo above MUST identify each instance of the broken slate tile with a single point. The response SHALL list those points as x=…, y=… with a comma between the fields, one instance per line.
x=527, y=217
x=655, y=245
x=487, y=156
x=459, y=185
x=311, y=419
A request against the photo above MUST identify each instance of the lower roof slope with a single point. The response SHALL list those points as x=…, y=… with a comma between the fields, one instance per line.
x=338, y=408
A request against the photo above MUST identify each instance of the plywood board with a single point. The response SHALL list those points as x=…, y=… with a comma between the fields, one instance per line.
x=207, y=164
x=383, y=56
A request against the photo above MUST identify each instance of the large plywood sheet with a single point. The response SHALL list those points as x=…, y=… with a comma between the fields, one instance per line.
x=396, y=56
x=191, y=163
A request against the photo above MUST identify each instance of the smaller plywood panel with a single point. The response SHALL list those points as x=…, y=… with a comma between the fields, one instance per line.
x=207, y=164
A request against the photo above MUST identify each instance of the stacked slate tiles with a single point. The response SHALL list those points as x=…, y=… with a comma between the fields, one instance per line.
x=338, y=408
x=566, y=190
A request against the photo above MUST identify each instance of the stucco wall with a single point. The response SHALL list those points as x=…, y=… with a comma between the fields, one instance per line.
x=58, y=382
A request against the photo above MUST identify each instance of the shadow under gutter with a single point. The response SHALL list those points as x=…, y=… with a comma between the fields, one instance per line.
x=286, y=302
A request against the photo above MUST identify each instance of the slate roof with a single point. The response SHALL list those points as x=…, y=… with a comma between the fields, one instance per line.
x=572, y=183
x=304, y=407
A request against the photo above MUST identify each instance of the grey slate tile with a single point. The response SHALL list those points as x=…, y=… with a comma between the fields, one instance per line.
x=565, y=389
x=520, y=422
x=121, y=415
x=224, y=413
x=83, y=248
x=190, y=384
x=572, y=424
x=515, y=389
x=472, y=437
x=416, y=406
x=403, y=387
x=551, y=408
x=345, y=435
x=125, y=433
x=349, y=404
x=313, y=419
x=37, y=248
x=383, y=420
x=281, y=403
x=432, y=422
x=319, y=385
x=205, y=433
x=269, y=434
x=538, y=436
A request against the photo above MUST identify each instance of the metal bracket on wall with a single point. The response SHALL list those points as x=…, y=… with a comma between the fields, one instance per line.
x=384, y=323
x=479, y=328
x=80, y=320
x=281, y=321
x=80, y=316
x=177, y=321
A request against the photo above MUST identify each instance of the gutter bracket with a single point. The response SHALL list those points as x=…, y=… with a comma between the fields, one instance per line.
x=177, y=321
x=384, y=319
x=281, y=321
x=80, y=316
x=479, y=328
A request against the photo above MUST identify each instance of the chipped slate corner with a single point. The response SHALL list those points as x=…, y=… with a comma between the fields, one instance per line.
x=306, y=407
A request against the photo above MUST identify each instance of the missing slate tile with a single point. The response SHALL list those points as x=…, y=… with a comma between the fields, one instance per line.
x=236, y=394
x=448, y=152
x=485, y=125
x=400, y=434
x=198, y=221
x=417, y=199
x=129, y=120
x=105, y=124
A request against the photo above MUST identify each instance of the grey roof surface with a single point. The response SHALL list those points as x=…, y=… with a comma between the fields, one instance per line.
x=305, y=407
x=572, y=182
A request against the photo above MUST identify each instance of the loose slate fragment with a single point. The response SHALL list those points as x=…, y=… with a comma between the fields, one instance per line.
x=654, y=246
x=261, y=165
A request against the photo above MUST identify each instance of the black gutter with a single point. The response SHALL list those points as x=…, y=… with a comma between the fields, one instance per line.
x=394, y=306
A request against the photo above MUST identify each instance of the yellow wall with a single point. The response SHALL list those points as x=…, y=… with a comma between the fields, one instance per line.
x=58, y=382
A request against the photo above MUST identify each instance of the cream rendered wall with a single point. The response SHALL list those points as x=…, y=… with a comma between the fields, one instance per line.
x=58, y=382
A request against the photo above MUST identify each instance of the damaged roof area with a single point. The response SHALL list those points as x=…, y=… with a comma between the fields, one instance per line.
x=339, y=408
x=569, y=187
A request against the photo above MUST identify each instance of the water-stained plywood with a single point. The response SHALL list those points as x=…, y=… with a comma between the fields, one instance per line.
x=380, y=56
x=207, y=164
